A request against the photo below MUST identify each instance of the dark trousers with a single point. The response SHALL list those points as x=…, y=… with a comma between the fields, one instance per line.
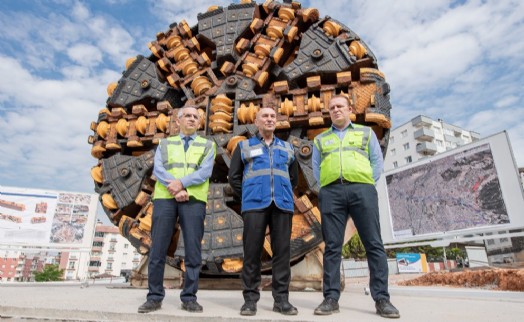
x=255, y=223
x=191, y=215
x=360, y=201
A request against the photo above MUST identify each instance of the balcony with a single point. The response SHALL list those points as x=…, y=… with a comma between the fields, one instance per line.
x=452, y=139
x=94, y=258
x=96, y=249
x=474, y=136
x=427, y=148
x=93, y=268
x=424, y=134
x=98, y=239
x=422, y=120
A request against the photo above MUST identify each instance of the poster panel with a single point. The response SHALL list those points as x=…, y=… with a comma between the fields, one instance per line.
x=412, y=263
x=473, y=188
x=45, y=218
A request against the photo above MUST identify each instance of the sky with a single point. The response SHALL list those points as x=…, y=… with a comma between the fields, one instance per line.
x=460, y=61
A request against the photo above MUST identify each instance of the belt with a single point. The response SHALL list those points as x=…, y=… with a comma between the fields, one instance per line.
x=340, y=181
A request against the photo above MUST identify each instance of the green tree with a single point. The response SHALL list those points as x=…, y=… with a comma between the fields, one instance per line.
x=354, y=248
x=49, y=274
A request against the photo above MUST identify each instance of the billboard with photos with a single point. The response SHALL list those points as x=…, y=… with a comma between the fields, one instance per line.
x=46, y=218
x=471, y=189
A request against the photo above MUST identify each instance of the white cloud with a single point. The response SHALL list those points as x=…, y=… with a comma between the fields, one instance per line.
x=85, y=55
x=175, y=10
x=463, y=64
x=506, y=102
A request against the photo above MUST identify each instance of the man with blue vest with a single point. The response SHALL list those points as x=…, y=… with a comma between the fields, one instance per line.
x=263, y=172
x=347, y=161
x=183, y=165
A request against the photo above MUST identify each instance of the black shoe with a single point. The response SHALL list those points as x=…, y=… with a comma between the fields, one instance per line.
x=386, y=309
x=192, y=306
x=327, y=307
x=149, y=306
x=249, y=308
x=285, y=308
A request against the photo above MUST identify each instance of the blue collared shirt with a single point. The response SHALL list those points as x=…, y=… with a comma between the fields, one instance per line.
x=197, y=177
x=375, y=154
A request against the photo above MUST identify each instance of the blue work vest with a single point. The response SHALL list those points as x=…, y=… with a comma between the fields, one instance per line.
x=266, y=174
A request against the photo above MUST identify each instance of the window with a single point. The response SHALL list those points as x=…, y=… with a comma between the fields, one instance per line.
x=71, y=265
x=98, y=244
x=393, y=152
x=404, y=133
x=392, y=140
x=99, y=234
x=109, y=266
x=406, y=146
x=395, y=164
x=126, y=245
x=408, y=159
x=439, y=143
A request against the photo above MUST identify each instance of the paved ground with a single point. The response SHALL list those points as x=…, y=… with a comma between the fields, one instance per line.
x=117, y=302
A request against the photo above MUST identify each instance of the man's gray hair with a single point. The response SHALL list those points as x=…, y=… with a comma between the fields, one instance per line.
x=181, y=111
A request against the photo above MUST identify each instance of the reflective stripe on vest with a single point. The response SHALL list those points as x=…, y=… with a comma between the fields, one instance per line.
x=353, y=150
x=172, y=150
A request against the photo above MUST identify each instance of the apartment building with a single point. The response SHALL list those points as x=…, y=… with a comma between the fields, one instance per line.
x=111, y=253
x=422, y=137
x=521, y=173
x=20, y=265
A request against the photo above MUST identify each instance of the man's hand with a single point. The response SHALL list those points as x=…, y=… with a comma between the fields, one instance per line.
x=182, y=196
x=174, y=187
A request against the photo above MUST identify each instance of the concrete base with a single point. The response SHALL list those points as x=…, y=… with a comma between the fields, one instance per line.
x=305, y=276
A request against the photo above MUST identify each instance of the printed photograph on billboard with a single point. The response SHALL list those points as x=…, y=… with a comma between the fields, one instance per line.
x=456, y=192
x=474, y=188
x=46, y=218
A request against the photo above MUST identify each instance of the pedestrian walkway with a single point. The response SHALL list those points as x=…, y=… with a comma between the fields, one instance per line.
x=118, y=302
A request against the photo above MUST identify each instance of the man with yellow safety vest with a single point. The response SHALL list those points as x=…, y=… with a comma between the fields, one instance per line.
x=347, y=161
x=263, y=172
x=183, y=166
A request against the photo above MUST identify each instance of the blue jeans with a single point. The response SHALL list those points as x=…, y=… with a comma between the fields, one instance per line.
x=337, y=203
x=191, y=215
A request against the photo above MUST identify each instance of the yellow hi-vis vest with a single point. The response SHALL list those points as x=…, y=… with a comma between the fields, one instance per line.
x=347, y=159
x=180, y=163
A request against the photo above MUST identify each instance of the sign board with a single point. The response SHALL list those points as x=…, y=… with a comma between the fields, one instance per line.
x=412, y=263
x=44, y=218
x=471, y=189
